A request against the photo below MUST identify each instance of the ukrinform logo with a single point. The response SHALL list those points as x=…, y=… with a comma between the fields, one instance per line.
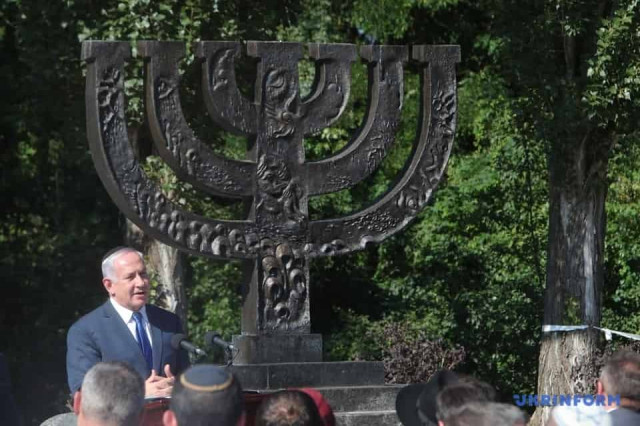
x=531, y=400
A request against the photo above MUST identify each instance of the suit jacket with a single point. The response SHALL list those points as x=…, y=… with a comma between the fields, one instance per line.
x=101, y=335
x=624, y=417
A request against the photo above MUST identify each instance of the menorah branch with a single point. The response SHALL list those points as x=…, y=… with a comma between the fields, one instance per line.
x=135, y=195
x=364, y=153
x=424, y=169
x=191, y=160
x=331, y=88
x=226, y=105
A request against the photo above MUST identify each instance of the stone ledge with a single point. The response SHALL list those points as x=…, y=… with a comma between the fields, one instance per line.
x=369, y=418
x=309, y=374
x=361, y=398
x=282, y=348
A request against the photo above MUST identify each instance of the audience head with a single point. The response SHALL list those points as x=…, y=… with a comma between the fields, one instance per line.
x=621, y=376
x=465, y=391
x=579, y=415
x=205, y=395
x=486, y=414
x=288, y=408
x=416, y=404
x=324, y=409
x=112, y=394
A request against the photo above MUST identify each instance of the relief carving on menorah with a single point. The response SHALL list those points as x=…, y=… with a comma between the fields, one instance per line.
x=277, y=234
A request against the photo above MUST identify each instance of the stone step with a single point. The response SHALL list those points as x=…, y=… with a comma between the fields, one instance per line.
x=367, y=418
x=309, y=374
x=361, y=398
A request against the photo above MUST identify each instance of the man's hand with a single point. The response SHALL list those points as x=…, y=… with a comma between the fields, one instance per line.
x=158, y=386
x=167, y=373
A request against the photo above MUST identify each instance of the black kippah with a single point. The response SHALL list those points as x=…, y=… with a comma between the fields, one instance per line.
x=206, y=378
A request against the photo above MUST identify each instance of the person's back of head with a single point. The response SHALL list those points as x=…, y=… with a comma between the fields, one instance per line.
x=579, y=415
x=465, y=391
x=486, y=414
x=288, y=408
x=621, y=376
x=112, y=394
x=324, y=409
x=205, y=395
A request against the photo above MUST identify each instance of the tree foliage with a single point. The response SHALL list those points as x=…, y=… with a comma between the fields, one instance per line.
x=470, y=271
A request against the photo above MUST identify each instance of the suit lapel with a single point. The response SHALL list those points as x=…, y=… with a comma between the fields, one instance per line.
x=156, y=337
x=121, y=330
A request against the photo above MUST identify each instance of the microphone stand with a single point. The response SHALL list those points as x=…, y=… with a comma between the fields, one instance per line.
x=228, y=354
x=212, y=338
x=195, y=358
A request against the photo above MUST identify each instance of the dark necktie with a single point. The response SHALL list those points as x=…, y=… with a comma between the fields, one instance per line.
x=143, y=339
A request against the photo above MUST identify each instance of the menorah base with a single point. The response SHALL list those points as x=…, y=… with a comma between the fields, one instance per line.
x=277, y=348
x=271, y=377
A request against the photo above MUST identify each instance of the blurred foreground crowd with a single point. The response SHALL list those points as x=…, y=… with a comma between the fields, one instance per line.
x=113, y=394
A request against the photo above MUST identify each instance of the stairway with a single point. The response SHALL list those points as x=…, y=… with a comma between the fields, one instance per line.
x=363, y=405
x=355, y=390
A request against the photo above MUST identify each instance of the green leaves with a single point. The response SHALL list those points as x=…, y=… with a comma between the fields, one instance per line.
x=470, y=269
x=622, y=294
x=612, y=95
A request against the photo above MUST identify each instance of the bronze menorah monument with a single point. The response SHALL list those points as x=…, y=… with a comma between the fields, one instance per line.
x=277, y=234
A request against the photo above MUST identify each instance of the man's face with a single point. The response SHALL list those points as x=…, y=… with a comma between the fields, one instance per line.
x=130, y=286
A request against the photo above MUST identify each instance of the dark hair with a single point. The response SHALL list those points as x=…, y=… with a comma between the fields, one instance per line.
x=621, y=375
x=486, y=414
x=196, y=407
x=288, y=408
x=456, y=395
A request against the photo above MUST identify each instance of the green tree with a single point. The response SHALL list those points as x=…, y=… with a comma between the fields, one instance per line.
x=548, y=93
x=56, y=219
x=582, y=98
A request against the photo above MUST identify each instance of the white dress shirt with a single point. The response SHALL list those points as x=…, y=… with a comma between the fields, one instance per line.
x=127, y=317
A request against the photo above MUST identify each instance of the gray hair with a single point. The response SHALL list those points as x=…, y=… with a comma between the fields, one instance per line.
x=580, y=415
x=112, y=393
x=486, y=414
x=110, y=257
x=621, y=375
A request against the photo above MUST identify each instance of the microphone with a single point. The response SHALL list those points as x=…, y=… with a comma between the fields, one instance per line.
x=180, y=341
x=212, y=338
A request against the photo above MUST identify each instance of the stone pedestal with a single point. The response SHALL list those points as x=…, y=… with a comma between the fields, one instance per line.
x=281, y=348
x=309, y=374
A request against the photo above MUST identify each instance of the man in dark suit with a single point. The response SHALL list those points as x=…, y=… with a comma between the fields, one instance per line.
x=620, y=385
x=126, y=328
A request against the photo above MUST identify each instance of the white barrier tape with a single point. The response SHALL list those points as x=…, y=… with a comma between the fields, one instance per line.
x=619, y=333
x=550, y=328
x=607, y=332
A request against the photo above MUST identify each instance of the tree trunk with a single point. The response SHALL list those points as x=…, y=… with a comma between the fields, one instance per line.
x=575, y=268
x=169, y=266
